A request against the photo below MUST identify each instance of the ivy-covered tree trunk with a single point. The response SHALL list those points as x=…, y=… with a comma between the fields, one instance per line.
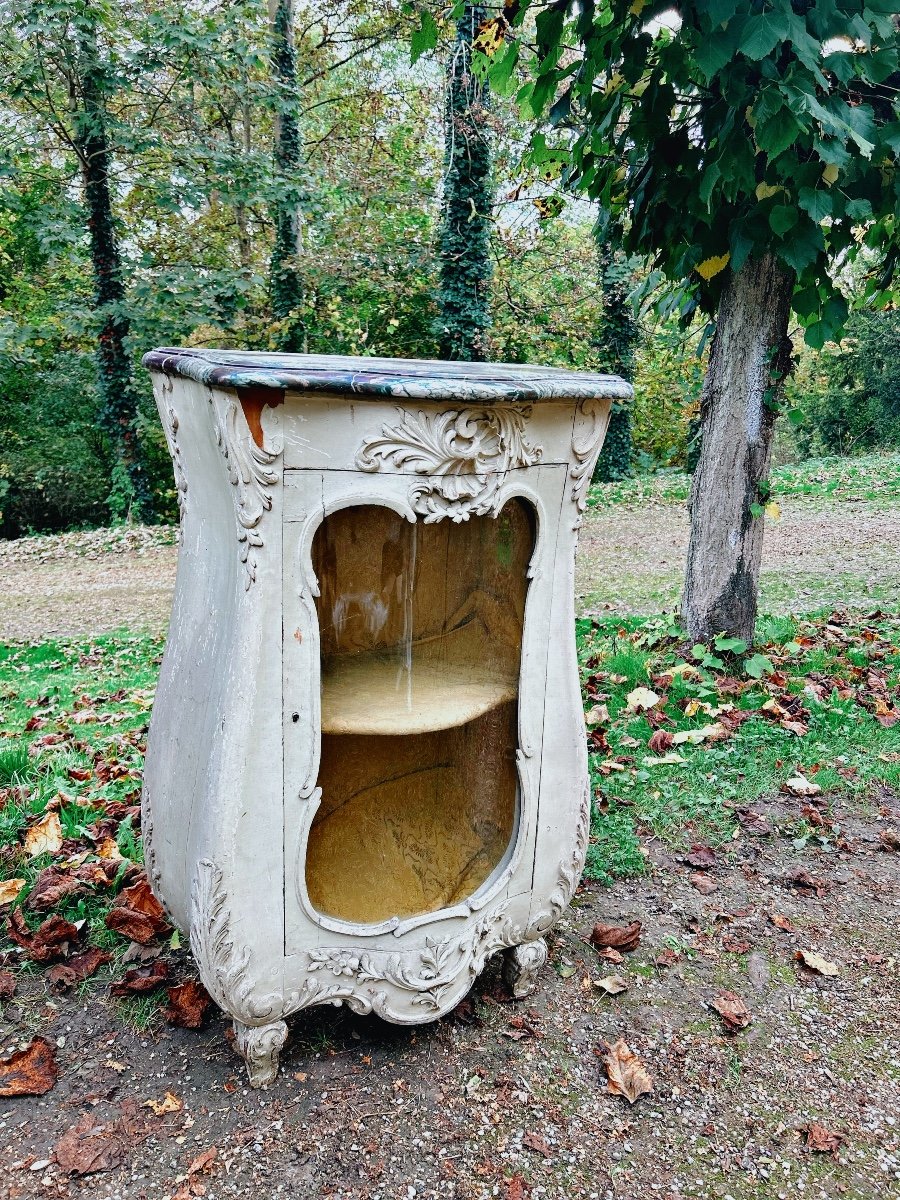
x=466, y=210
x=616, y=342
x=287, y=211
x=749, y=359
x=131, y=494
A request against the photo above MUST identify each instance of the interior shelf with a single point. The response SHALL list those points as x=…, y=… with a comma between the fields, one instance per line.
x=374, y=693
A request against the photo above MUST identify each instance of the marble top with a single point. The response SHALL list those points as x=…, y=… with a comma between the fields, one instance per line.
x=415, y=378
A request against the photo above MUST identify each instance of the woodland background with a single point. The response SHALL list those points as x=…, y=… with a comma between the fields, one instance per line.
x=192, y=98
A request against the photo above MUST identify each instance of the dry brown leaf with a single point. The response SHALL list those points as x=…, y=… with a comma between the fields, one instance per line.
x=89, y=1146
x=109, y=850
x=9, y=890
x=598, y=714
x=626, y=1074
x=703, y=883
x=29, y=1072
x=815, y=962
x=534, y=1141
x=618, y=937
x=781, y=922
x=52, y=886
x=52, y=939
x=44, y=837
x=890, y=839
x=141, y=979
x=7, y=985
x=701, y=857
x=826, y=1141
x=188, y=1003
x=76, y=969
x=660, y=741
x=170, y=1103
x=137, y=914
x=203, y=1162
x=613, y=985
x=734, y=1012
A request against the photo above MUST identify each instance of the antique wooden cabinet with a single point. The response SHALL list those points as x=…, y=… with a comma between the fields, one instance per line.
x=366, y=769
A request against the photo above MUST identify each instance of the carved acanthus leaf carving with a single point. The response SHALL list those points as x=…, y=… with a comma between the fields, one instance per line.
x=591, y=420
x=250, y=472
x=464, y=453
x=224, y=967
x=170, y=427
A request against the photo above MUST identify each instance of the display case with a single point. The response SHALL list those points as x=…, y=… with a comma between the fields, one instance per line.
x=366, y=770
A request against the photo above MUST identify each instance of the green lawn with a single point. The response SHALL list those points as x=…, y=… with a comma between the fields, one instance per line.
x=874, y=478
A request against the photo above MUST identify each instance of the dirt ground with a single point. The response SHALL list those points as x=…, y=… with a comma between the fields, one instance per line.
x=509, y=1098
x=630, y=560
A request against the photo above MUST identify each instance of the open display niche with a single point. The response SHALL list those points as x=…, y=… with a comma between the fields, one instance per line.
x=421, y=635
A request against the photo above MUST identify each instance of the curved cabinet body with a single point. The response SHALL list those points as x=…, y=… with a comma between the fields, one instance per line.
x=366, y=769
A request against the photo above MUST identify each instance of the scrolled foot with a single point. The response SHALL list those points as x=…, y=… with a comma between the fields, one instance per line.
x=259, y=1046
x=521, y=966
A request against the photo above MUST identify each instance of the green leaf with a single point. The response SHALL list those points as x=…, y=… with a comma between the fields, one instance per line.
x=795, y=416
x=778, y=132
x=762, y=34
x=817, y=202
x=500, y=73
x=730, y=645
x=424, y=38
x=758, y=665
x=782, y=218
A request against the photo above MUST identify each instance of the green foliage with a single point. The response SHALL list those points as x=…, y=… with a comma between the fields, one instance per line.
x=467, y=202
x=850, y=401
x=730, y=130
x=287, y=284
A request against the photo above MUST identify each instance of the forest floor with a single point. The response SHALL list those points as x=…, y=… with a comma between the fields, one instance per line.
x=754, y=806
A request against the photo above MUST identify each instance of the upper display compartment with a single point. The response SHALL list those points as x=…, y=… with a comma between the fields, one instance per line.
x=411, y=378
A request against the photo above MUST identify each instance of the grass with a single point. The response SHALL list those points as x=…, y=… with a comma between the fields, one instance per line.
x=74, y=716
x=874, y=478
x=689, y=792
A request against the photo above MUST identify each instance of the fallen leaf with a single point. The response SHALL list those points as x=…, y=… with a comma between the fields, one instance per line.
x=613, y=985
x=702, y=857
x=672, y=759
x=29, y=1072
x=684, y=670
x=188, y=1003
x=141, y=979
x=611, y=955
x=203, y=1161
x=706, y=733
x=781, y=922
x=76, y=969
x=804, y=882
x=137, y=914
x=534, y=1141
x=619, y=937
x=90, y=1146
x=826, y=1141
x=170, y=1103
x=815, y=962
x=753, y=822
x=7, y=985
x=44, y=837
x=660, y=741
x=703, y=883
x=890, y=839
x=9, y=890
x=799, y=785
x=667, y=957
x=51, y=940
x=640, y=699
x=52, y=886
x=109, y=849
x=516, y=1189
x=732, y=1010
x=626, y=1074
x=598, y=715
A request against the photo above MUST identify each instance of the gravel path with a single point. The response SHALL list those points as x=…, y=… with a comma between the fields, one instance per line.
x=508, y=1099
x=631, y=559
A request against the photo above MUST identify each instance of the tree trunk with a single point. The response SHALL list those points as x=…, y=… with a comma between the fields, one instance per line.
x=749, y=359
x=131, y=494
x=287, y=212
x=616, y=342
x=466, y=208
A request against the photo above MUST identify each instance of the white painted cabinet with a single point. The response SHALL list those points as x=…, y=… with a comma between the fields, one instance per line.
x=366, y=770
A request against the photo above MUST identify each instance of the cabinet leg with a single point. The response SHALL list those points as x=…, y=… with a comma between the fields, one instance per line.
x=521, y=965
x=259, y=1046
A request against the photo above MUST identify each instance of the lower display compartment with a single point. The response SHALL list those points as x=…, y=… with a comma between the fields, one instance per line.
x=413, y=824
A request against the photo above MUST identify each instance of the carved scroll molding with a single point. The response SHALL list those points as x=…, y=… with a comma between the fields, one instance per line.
x=250, y=473
x=591, y=420
x=463, y=451
x=170, y=427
